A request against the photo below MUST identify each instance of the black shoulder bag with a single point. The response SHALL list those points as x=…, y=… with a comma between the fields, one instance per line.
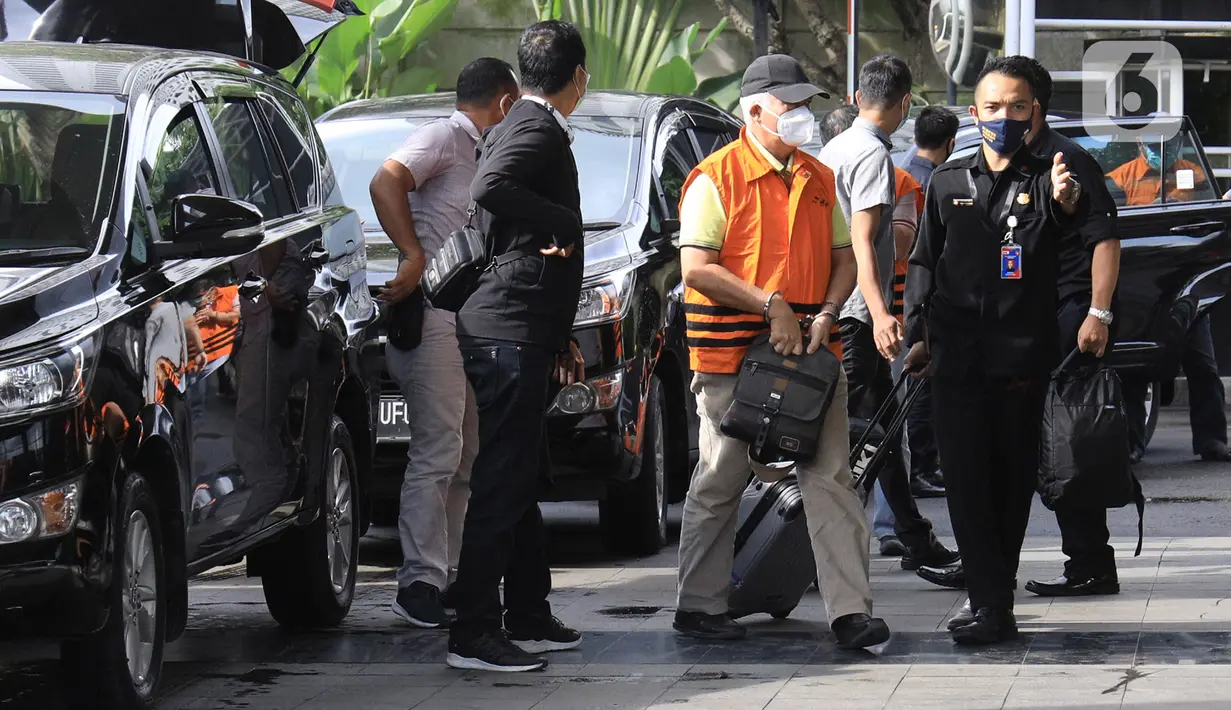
x=452, y=274
x=780, y=402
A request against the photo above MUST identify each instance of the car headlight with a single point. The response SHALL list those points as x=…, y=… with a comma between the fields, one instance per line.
x=49, y=380
x=45, y=514
x=593, y=395
x=604, y=301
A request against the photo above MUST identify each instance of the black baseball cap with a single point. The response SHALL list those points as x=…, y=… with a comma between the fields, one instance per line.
x=780, y=76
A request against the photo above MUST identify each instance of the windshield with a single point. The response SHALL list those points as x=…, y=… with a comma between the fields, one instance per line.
x=60, y=155
x=606, y=150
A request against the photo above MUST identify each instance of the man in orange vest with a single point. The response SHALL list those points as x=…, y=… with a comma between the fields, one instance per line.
x=762, y=245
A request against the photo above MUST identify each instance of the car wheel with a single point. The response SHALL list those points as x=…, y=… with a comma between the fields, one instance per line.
x=634, y=515
x=312, y=582
x=119, y=667
x=1153, y=406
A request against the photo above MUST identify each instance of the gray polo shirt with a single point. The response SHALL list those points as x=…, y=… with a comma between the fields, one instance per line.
x=440, y=155
x=863, y=170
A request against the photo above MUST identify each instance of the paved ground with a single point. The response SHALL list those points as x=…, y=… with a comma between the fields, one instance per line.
x=1164, y=642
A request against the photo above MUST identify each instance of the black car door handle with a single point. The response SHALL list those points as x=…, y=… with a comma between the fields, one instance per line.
x=1199, y=228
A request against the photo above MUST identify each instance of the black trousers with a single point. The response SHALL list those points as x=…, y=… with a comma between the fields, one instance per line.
x=919, y=435
x=1083, y=531
x=869, y=384
x=1206, y=396
x=503, y=533
x=988, y=436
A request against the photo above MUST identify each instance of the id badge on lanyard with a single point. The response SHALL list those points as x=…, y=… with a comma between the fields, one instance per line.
x=1010, y=253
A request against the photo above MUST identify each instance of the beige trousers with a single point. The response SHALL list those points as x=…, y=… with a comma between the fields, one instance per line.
x=836, y=519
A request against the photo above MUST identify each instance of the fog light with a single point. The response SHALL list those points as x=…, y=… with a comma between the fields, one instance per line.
x=18, y=521
x=58, y=508
x=577, y=398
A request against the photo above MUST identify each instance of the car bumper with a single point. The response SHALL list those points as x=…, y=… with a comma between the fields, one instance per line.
x=587, y=451
x=48, y=600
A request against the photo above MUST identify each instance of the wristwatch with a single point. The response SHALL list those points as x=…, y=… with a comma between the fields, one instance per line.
x=1104, y=317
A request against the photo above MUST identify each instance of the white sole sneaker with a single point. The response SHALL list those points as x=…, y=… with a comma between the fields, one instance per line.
x=474, y=664
x=405, y=616
x=545, y=646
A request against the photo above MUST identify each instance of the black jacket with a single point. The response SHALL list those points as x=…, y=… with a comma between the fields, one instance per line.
x=978, y=324
x=528, y=199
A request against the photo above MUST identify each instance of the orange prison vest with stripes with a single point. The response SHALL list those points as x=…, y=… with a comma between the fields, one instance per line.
x=904, y=183
x=777, y=238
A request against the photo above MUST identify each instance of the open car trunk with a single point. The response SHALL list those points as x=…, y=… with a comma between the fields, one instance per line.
x=271, y=32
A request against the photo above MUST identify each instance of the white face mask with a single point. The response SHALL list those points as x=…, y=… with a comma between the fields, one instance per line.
x=795, y=127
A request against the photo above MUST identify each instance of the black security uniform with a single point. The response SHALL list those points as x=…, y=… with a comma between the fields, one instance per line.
x=1083, y=531
x=993, y=342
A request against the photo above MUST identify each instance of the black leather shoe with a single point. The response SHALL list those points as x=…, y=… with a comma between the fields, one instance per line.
x=990, y=625
x=715, y=627
x=856, y=631
x=964, y=616
x=1216, y=452
x=936, y=556
x=936, y=478
x=922, y=488
x=891, y=546
x=1064, y=586
x=948, y=577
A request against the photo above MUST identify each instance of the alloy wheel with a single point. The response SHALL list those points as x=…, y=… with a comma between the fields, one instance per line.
x=139, y=598
x=339, y=519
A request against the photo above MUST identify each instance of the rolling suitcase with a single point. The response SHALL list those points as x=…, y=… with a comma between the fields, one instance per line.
x=774, y=566
x=773, y=552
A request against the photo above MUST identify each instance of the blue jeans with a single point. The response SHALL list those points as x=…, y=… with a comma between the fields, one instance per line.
x=882, y=522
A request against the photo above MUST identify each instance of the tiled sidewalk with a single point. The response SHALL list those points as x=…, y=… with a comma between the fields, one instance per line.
x=1164, y=642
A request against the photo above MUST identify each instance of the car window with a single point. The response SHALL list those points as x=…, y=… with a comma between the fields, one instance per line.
x=710, y=139
x=243, y=152
x=295, y=148
x=678, y=161
x=1150, y=169
x=180, y=166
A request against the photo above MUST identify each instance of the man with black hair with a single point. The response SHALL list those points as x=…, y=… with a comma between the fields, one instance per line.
x=420, y=194
x=1089, y=267
x=871, y=335
x=935, y=136
x=515, y=339
x=981, y=299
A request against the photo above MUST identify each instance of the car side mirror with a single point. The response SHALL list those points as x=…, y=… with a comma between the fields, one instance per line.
x=206, y=226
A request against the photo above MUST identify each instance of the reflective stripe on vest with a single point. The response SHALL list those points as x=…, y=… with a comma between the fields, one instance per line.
x=777, y=238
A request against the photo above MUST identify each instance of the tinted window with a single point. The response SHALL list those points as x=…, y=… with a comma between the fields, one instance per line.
x=246, y=161
x=180, y=167
x=59, y=156
x=710, y=139
x=295, y=149
x=1149, y=170
x=678, y=162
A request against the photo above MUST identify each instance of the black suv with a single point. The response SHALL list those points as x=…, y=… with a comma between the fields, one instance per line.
x=182, y=304
x=627, y=435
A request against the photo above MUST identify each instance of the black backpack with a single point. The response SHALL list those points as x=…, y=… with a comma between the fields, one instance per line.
x=1084, y=455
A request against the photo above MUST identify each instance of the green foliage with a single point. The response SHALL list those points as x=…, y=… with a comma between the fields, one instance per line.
x=375, y=55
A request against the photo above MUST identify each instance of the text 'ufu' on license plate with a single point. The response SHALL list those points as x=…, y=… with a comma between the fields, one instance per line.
x=394, y=424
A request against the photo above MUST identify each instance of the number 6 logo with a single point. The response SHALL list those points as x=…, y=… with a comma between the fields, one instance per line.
x=1129, y=81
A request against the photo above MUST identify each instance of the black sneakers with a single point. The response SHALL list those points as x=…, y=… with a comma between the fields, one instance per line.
x=419, y=605
x=491, y=651
x=716, y=627
x=541, y=634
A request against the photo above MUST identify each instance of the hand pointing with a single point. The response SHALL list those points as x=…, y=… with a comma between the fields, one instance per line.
x=1062, y=183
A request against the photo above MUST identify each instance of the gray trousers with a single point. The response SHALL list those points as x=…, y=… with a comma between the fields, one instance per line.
x=836, y=521
x=444, y=440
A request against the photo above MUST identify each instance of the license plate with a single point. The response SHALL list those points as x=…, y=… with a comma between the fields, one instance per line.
x=394, y=424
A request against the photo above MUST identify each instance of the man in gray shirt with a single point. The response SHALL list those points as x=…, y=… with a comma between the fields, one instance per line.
x=421, y=195
x=871, y=336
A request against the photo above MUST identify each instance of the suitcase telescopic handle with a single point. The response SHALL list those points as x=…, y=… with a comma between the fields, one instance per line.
x=863, y=484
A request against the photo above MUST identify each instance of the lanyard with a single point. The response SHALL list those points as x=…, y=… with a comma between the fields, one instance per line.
x=1008, y=199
